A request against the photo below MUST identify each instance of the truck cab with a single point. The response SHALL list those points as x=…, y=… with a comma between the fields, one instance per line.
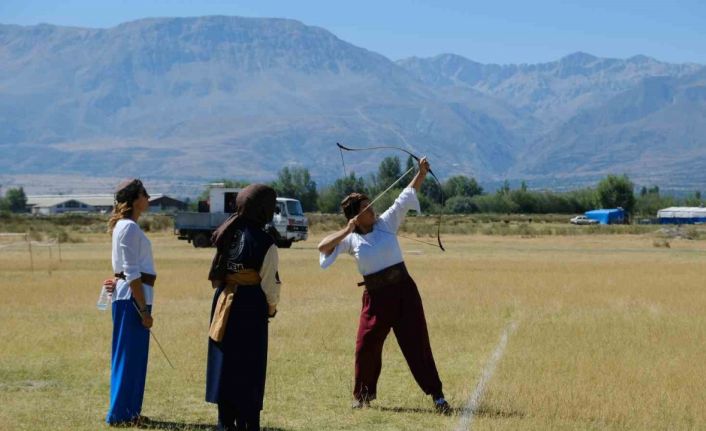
x=287, y=226
x=289, y=222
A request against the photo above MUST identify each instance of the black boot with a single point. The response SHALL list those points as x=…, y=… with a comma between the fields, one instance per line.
x=226, y=417
x=441, y=406
x=252, y=423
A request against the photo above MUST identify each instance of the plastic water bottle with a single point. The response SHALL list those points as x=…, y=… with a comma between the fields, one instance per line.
x=104, y=299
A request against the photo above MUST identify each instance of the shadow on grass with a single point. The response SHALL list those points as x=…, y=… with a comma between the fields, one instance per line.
x=489, y=412
x=182, y=426
x=484, y=411
x=452, y=412
x=176, y=426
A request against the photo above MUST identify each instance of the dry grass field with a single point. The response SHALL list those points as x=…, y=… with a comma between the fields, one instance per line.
x=610, y=335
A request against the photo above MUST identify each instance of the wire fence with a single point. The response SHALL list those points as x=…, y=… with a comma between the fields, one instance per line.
x=24, y=241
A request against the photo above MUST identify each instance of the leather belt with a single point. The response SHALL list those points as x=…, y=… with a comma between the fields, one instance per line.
x=146, y=278
x=233, y=282
x=390, y=275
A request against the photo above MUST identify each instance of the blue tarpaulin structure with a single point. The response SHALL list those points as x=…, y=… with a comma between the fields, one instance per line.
x=607, y=216
x=682, y=215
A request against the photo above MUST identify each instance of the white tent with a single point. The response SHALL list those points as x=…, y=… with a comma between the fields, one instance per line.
x=682, y=215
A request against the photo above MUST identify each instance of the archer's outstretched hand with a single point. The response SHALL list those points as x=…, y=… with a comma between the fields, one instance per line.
x=424, y=165
x=421, y=174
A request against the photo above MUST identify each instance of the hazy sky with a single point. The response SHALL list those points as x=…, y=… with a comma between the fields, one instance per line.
x=490, y=31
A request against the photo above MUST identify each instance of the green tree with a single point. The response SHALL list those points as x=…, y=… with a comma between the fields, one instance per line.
x=297, y=183
x=582, y=200
x=505, y=188
x=431, y=195
x=330, y=198
x=388, y=172
x=527, y=202
x=616, y=191
x=461, y=185
x=498, y=203
x=408, y=178
x=650, y=203
x=694, y=200
x=16, y=200
x=460, y=205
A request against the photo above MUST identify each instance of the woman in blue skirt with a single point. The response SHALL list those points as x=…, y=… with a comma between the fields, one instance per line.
x=135, y=275
x=244, y=276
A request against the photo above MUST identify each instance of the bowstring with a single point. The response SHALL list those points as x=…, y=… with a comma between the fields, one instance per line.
x=340, y=150
x=407, y=237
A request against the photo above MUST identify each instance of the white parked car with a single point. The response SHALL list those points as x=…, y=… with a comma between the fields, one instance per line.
x=582, y=219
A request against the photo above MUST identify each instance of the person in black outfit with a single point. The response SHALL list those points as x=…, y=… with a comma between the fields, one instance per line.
x=244, y=276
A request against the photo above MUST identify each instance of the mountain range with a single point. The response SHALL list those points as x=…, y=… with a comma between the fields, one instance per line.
x=187, y=100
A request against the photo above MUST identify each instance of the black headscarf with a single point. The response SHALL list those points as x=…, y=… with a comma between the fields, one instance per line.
x=255, y=205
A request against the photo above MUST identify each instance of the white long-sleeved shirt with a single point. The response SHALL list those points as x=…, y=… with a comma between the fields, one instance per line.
x=269, y=277
x=132, y=254
x=379, y=248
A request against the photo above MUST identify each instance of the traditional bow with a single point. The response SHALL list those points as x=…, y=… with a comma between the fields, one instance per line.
x=341, y=148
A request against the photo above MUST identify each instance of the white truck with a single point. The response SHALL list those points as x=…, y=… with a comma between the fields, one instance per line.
x=287, y=226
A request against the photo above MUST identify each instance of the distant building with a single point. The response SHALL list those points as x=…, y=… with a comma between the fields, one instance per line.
x=99, y=203
x=61, y=204
x=163, y=203
x=682, y=215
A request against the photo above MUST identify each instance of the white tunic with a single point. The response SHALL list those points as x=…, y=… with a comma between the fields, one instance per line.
x=379, y=248
x=132, y=254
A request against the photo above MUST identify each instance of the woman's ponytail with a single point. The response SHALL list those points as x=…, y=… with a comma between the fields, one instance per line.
x=120, y=211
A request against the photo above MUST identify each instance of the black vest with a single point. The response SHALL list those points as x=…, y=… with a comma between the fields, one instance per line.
x=245, y=247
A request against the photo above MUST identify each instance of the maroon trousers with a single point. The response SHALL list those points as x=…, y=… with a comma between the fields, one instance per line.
x=396, y=306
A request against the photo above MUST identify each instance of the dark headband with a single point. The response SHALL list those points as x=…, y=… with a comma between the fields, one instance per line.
x=129, y=190
x=351, y=204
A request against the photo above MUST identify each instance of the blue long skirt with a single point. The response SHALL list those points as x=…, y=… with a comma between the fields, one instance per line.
x=128, y=369
x=235, y=373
